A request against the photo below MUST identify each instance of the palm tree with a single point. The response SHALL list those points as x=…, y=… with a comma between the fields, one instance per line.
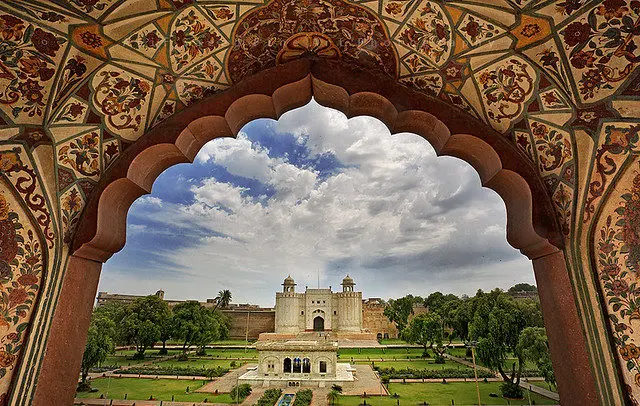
x=333, y=397
x=223, y=299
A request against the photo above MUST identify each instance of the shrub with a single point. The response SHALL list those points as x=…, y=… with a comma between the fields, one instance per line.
x=240, y=392
x=188, y=371
x=269, y=397
x=511, y=390
x=410, y=373
x=84, y=387
x=303, y=397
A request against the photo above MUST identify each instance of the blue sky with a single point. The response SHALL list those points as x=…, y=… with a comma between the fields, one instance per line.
x=317, y=196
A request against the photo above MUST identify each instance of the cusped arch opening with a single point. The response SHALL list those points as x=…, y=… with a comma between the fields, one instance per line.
x=104, y=233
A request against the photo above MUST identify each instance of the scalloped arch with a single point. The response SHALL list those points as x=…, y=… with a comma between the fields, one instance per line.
x=136, y=177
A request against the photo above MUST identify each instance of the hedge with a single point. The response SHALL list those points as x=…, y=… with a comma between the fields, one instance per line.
x=409, y=373
x=186, y=371
x=303, y=397
x=269, y=397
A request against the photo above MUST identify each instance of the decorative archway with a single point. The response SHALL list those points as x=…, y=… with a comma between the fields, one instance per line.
x=318, y=323
x=531, y=224
x=286, y=367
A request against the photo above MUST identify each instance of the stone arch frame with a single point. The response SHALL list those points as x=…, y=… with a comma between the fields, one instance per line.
x=531, y=224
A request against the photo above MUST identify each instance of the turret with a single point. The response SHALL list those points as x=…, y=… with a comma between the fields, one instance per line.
x=289, y=284
x=347, y=284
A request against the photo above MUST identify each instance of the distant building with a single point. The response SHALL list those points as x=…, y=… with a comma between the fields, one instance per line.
x=318, y=309
x=249, y=320
x=524, y=294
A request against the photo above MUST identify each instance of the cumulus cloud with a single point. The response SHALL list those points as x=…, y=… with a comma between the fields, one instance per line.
x=398, y=218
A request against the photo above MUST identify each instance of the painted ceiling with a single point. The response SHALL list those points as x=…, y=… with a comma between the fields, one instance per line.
x=86, y=78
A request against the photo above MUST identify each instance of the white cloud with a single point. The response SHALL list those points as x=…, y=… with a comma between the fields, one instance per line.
x=397, y=216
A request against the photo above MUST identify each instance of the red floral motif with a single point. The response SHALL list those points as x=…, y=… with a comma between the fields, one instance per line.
x=576, y=33
x=221, y=13
x=121, y=99
x=45, y=42
x=618, y=263
x=82, y=154
x=25, y=63
x=91, y=40
x=429, y=34
x=11, y=28
x=192, y=37
x=357, y=33
x=506, y=88
x=553, y=148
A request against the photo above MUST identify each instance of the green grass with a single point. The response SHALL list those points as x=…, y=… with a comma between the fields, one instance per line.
x=420, y=364
x=463, y=393
x=544, y=385
x=232, y=353
x=232, y=342
x=149, y=353
x=199, y=363
x=364, y=353
x=141, y=389
x=393, y=341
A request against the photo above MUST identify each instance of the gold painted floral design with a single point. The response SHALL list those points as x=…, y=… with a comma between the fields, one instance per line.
x=21, y=266
x=429, y=34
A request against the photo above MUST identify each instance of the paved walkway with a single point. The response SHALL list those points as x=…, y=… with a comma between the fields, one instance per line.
x=532, y=388
x=226, y=382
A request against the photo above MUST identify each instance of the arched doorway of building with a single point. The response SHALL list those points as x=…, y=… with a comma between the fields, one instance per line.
x=318, y=323
x=306, y=366
x=287, y=365
x=297, y=365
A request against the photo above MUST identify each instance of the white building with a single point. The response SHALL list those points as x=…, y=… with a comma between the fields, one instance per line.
x=318, y=309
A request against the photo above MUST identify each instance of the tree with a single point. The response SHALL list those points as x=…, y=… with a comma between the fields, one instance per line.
x=496, y=326
x=223, y=299
x=522, y=287
x=114, y=311
x=143, y=322
x=333, y=397
x=193, y=324
x=100, y=343
x=426, y=330
x=399, y=310
x=166, y=332
x=534, y=346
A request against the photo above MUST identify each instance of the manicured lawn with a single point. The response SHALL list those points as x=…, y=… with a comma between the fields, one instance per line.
x=392, y=341
x=232, y=342
x=419, y=364
x=462, y=393
x=122, y=361
x=544, y=385
x=141, y=389
x=149, y=353
x=198, y=363
x=364, y=353
x=232, y=353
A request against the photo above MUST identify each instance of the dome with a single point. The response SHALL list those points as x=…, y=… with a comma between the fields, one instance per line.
x=289, y=281
x=348, y=280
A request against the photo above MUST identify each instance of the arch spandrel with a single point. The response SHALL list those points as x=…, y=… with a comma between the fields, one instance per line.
x=98, y=82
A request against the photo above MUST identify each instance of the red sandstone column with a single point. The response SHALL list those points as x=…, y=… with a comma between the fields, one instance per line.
x=65, y=345
x=568, y=347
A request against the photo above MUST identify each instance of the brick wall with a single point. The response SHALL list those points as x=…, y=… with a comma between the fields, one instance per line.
x=260, y=321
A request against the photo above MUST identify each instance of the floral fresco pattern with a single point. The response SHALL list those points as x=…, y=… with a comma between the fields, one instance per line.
x=429, y=34
x=193, y=37
x=262, y=34
x=21, y=267
x=28, y=58
x=603, y=47
x=506, y=87
x=618, y=263
x=121, y=98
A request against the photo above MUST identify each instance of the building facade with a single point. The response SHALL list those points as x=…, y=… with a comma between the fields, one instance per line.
x=318, y=309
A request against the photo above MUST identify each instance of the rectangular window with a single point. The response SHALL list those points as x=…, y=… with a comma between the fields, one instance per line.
x=323, y=367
